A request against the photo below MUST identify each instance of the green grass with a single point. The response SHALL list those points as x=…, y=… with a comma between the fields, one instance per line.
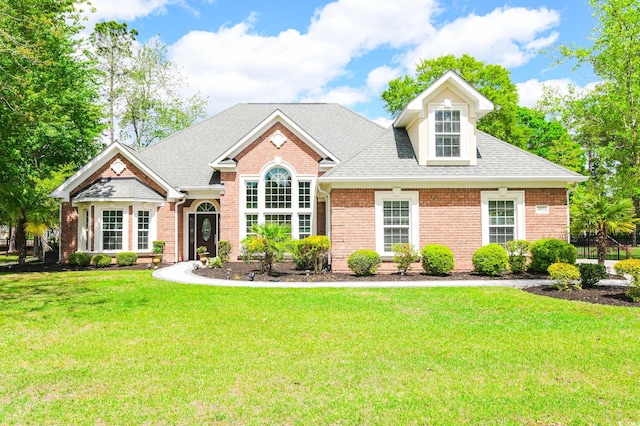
x=114, y=348
x=8, y=258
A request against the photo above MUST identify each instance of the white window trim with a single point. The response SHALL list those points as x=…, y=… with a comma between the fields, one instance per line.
x=82, y=229
x=503, y=195
x=261, y=211
x=98, y=228
x=414, y=219
x=464, y=138
x=152, y=227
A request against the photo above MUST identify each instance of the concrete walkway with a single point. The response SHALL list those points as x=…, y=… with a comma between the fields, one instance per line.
x=182, y=273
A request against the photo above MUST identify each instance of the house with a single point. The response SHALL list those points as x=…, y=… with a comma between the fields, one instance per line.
x=322, y=169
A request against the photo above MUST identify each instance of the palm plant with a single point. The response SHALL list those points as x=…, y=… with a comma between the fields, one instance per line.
x=602, y=215
x=269, y=242
x=28, y=211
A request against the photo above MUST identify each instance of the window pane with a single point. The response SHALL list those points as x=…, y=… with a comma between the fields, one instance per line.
x=304, y=225
x=304, y=195
x=206, y=207
x=447, y=146
x=395, y=235
x=250, y=220
x=112, y=229
x=278, y=189
x=280, y=219
x=252, y=195
x=143, y=229
x=501, y=234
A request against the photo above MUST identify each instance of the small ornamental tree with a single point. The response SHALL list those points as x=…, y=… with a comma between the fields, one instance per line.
x=517, y=251
x=404, y=254
x=268, y=242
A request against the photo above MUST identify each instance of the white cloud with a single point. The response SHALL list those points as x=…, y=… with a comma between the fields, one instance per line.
x=129, y=10
x=506, y=36
x=531, y=91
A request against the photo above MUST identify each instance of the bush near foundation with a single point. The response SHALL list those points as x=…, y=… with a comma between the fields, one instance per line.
x=364, y=262
x=566, y=276
x=630, y=267
x=101, y=260
x=79, y=259
x=547, y=251
x=311, y=253
x=591, y=274
x=126, y=258
x=490, y=260
x=437, y=259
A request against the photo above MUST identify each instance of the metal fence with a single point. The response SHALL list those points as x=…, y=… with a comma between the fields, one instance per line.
x=619, y=247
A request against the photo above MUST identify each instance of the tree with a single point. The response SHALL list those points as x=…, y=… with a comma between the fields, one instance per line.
x=602, y=215
x=269, y=241
x=615, y=58
x=49, y=117
x=548, y=138
x=493, y=81
x=154, y=107
x=113, y=49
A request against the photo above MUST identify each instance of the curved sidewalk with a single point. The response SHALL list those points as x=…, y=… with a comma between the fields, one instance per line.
x=182, y=273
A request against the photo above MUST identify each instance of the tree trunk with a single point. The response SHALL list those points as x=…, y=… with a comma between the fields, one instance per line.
x=21, y=242
x=636, y=206
x=601, y=242
x=12, y=240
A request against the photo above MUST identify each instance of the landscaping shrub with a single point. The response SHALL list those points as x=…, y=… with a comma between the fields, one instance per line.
x=404, y=254
x=224, y=250
x=268, y=243
x=311, y=253
x=126, y=258
x=437, y=259
x=79, y=259
x=491, y=260
x=101, y=260
x=364, y=262
x=214, y=262
x=517, y=251
x=566, y=276
x=591, y=274
x=546, y=251
x=630, y=267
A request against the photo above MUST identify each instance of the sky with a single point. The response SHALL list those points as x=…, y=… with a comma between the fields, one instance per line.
x=346, y=51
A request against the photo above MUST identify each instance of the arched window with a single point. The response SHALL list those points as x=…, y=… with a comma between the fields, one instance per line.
x=277, y=189
x=281, y=197
x=206, y=207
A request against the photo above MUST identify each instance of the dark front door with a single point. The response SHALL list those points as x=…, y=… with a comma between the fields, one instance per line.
x=206, y=229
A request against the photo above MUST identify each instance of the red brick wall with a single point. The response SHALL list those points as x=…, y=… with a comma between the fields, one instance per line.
x=251, y=162
x=68, y=231
x=447, y=216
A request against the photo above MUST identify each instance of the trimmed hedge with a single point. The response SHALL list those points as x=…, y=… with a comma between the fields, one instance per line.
x=101, y=260
x=547, y=251
x=79, y=259
x=224, y=250
x=126, y=258
x=311, y=253
x=437, y=259
x=630, y=267
x=491, y=260
x=364, y=262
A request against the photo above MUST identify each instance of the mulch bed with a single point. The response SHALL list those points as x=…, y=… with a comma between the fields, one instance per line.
x=55, y=267
x=602, y=295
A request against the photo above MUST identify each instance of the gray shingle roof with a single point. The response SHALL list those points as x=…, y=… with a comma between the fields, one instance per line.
x=391, y=157
x=118, y=188
x=183, y=158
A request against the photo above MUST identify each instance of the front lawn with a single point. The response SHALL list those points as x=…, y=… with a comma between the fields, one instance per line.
x=121, y=347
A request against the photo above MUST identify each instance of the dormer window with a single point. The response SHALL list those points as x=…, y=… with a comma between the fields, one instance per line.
x=447, y=123
x=448, y=139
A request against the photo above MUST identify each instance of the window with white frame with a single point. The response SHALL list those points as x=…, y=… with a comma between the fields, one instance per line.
x=447, y=133
x=112, y=229
x=502, y=216
x=396, y=219
x=144, y=225
x=281, y=197
x=87, y=230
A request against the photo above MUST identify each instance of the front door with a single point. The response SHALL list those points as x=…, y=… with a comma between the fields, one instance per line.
x=203, y=232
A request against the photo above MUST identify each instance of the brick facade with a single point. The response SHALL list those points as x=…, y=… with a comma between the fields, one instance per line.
x=446, y=216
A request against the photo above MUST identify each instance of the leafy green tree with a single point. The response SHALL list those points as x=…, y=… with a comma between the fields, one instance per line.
x=269, y=241
x=154, y=107
x=112, y=49
x=548, y=138
x=493, y=81
x=601, y=215
x=615, y=103
x=49, y=115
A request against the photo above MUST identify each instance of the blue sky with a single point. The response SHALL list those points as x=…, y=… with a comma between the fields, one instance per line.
x=346, y=50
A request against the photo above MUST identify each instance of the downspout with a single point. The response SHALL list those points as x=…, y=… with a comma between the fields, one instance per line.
x=175, y=230
x=327, y=213
x=569, y=191
x=59, y=233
